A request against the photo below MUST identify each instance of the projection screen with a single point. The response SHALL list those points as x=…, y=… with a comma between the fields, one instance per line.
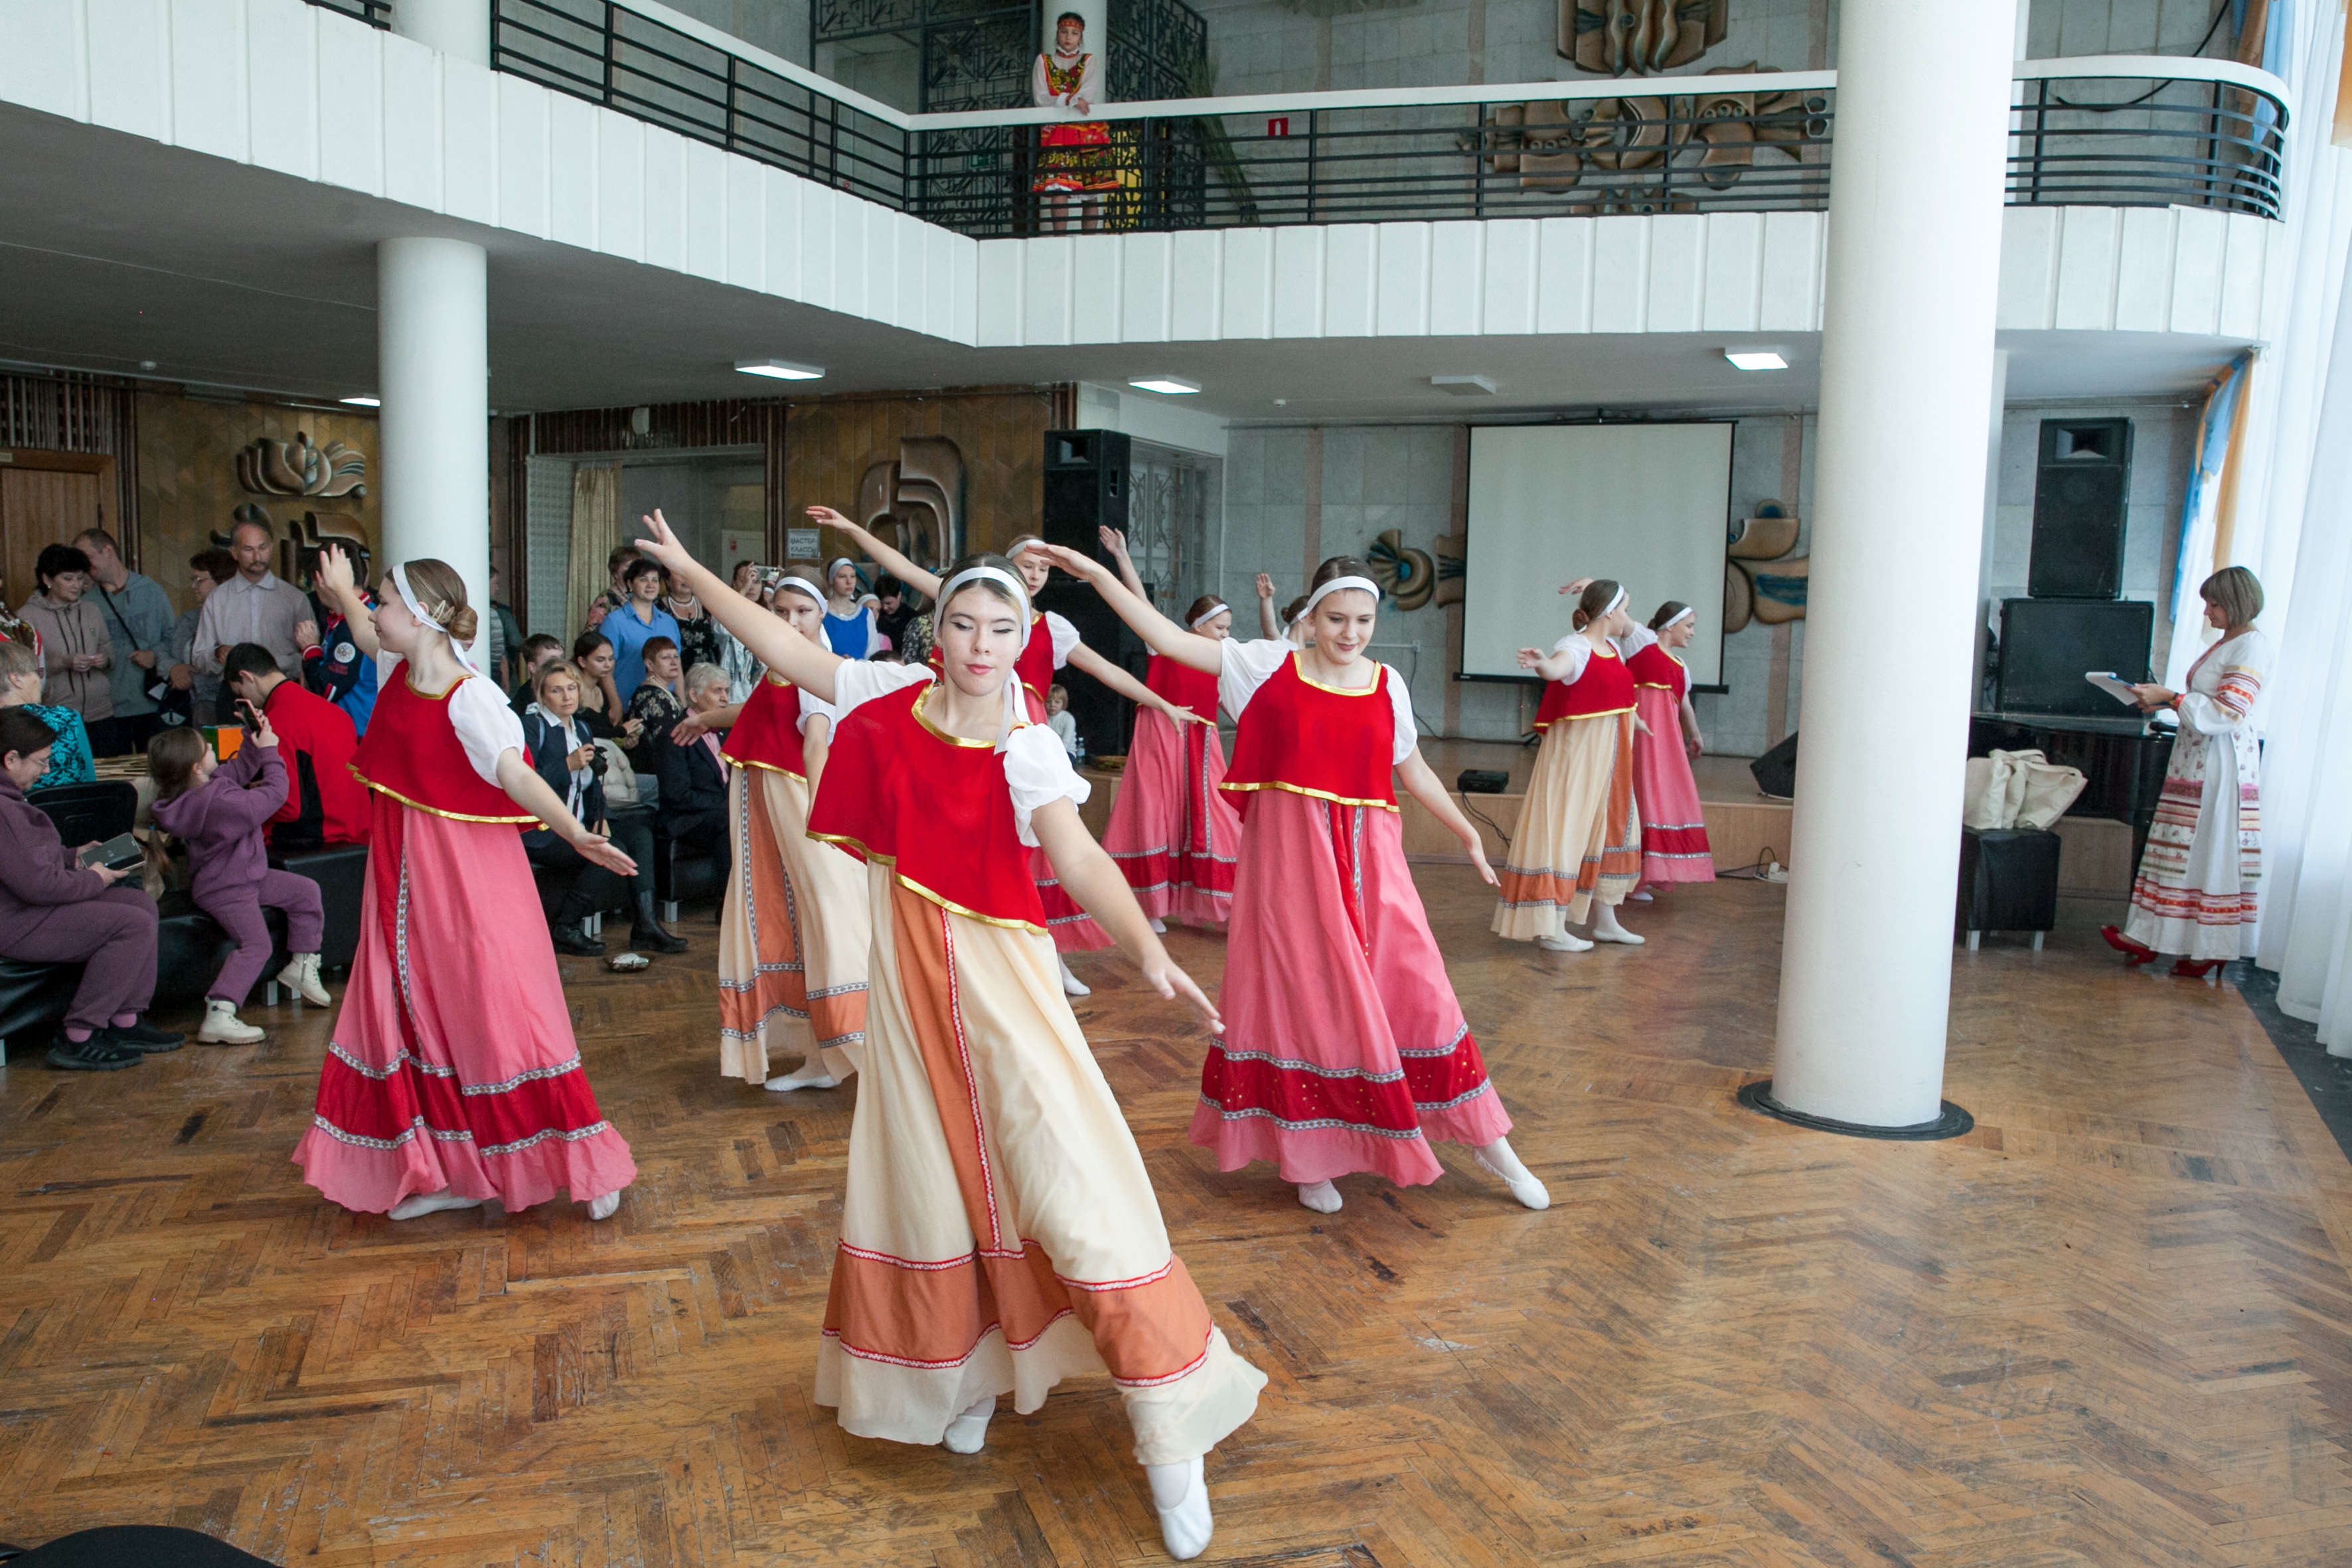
x=1648, y=504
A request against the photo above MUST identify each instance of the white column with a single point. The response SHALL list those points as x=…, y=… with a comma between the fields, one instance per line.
x=433, y=373
x=1898, y=514
x=459, y=28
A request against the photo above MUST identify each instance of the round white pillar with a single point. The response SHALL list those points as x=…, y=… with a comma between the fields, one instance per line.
x=1915, y=190
x=433, y=376
x=459, y=28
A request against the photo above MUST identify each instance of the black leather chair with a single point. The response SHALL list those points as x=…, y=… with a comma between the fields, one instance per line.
x=679, y=876
x=88, y=812
x=191, y=947
x=32, y=1001
x=340, y=871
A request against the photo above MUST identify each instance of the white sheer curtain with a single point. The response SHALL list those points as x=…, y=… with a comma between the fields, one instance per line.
x=2302, y=549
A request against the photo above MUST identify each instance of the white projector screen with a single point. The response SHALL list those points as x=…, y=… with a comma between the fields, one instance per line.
x=1647, y=504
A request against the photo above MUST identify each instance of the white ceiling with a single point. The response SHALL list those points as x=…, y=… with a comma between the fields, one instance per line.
x=114, y=251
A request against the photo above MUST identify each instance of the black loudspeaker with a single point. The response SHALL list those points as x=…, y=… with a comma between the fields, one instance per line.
x=1086, y=486
x=2080, y=494
x=2047, y=645
x=1482, y=781
x=1776, y=770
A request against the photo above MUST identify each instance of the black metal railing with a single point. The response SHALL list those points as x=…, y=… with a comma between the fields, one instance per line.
x=1699, y=144
x=374, y=13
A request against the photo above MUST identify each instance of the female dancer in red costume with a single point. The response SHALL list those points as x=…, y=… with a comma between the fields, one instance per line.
x=1051, y=644
x=1172, y=829
x=792, y=932
x=998, y=1230
x=452, y=1076
x=1673, y=827
x=1578, y=845
x=1345, y=1048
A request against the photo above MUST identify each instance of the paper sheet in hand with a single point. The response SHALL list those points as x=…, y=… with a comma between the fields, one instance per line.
x=2113, y=685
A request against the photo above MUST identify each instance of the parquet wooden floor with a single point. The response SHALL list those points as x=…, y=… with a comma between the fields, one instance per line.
x=2108, y=1328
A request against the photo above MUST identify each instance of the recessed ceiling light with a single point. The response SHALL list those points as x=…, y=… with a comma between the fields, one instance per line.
x=364, y=401
x=1167, y=384
x=1754, y=359
x=1465, y=386
x=781, y=369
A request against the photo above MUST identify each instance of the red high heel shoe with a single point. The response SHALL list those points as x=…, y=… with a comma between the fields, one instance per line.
x=2135, y=954
x=2197, y=969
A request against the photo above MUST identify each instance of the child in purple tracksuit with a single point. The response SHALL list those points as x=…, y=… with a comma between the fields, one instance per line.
x=217, y=810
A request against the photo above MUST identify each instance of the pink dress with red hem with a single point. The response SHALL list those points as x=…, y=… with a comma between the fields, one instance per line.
x=1675, y=846
x=1174, y=833
x=424, y=1087
x=1345, y=1048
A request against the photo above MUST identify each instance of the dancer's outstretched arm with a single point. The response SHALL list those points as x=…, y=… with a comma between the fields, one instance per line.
x=1127, y=686
x=780, y=647
x=1092, y=878
x=335, y=575
x=1425, y=786
x=1186, y=647
x=889, y=560
x=1267, y=622
x=527, y=790
x=1114, y=541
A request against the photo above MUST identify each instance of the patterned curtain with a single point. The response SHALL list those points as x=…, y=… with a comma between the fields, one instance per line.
x=595, y=530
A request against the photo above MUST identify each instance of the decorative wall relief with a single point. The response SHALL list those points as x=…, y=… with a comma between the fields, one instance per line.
x=1412, y=578
x=1640, y=37
x=919, y=497
x=296, y=467
x=1762, y=582
x=1631, y=153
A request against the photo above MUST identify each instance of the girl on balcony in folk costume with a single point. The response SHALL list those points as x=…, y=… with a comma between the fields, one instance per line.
x=1579, y=847
x=2195, y=894
x=794, y=931
x=999, y=1231
x=1172, y=830
x=1052, y=643
x=1345, y=1049
x=1673, y=827
x=1074, y=161
x=452, y=1076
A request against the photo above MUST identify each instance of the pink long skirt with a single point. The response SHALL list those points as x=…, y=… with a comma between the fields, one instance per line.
x=1174, y=833
x=1673, y=825
x=1344, y=1049
x=453, y=1063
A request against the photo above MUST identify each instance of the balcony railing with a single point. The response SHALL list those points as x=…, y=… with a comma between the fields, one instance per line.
x=2112, y=130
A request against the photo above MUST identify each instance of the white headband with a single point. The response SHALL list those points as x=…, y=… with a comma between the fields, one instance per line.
x=1015, y=553
x=1612, y=603
x=1685, y=613
x=804, y=585
x=994, y=575
x=836, y=564
x=1211, y=613
x=399, y=576
x=1338, y=584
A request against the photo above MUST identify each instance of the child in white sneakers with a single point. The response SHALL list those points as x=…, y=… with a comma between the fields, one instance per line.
x=218, y=811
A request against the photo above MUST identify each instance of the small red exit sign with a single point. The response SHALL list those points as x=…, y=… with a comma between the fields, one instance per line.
x=1279, y=125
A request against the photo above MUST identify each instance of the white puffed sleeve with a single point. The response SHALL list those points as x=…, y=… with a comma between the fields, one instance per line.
x=1248, y=666
x=815, y=706
x=1065, y=637
x=1036, y=771
x=1634, y=641
x=1408, y=733
x=1579, y=654
x=485, y=725
x=858, y=681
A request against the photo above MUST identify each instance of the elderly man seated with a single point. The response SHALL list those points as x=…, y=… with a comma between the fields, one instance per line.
x=693, y=773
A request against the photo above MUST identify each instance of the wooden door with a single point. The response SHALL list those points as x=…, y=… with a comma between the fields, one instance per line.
x=40, y=507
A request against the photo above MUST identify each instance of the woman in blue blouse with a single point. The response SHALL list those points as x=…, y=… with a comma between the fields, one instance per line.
x=849, y=628
x=20, y=686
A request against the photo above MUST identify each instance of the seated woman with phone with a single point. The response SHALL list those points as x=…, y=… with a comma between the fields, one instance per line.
x=54, y=909
x=564, y=752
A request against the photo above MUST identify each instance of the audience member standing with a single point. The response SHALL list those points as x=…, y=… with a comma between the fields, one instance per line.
x=637, y=622
x=325, y=803
x=76, y=652
x=697, y=634
x=69, y=748
x=138, y=618
x=506, y=634
x=332, y=664
x=207, y=570
x=256, y=605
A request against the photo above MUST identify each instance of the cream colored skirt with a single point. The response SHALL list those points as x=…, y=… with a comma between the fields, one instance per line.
x=1580, y=836
x=793, y=935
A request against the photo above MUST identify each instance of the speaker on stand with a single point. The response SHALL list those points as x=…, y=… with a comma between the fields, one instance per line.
x=1087, y=488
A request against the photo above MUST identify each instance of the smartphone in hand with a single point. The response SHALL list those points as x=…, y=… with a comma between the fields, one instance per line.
x=120, y=853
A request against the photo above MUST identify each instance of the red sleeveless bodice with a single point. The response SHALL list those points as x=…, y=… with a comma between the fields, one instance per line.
x=1606, y=688
x=1183, y=685
x=931, y=806
x=1653, y=666
x=412, y=753
x=767, y=733
x=1317, y=741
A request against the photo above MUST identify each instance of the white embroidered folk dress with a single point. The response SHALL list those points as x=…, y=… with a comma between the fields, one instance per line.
x=2196, y=892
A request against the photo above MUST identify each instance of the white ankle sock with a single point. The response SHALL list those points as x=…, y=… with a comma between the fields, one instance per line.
x=606, y=1207
x=1158, y=926
x=1606, y=928
x=418, y=1205
x=968, y=1433
x=1499, y=1159
x=1566, y=941
x=810, y=1074
x=1320, y=1197
x=1071, y=984
x=1180, y=1495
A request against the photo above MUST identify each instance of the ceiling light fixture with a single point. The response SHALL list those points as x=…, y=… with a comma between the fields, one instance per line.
x=1754, y=359
x=364, y=401
x=1166, y=383
x=1465, y=386
x=781, y=369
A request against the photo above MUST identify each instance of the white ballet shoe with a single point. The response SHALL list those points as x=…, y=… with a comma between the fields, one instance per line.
x=418, y=1205
x=810, y=1074
x=604, y=1208
x=968, y=1433
x=300, y=977
x=1320, y=1197
x=1498, y=1159
x=1184, y=1525
x=1158, y=926
x=1606, y=928
x=1071, y=984
x=1638, y=896
x=1566, y=941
